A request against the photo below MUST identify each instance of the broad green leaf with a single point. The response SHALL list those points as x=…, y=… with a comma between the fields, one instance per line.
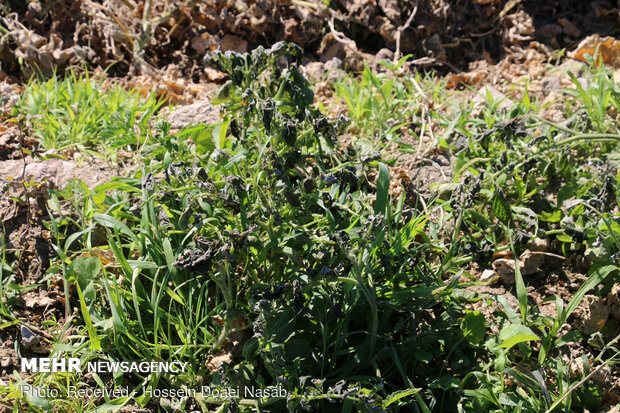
x=142, y=264
x=522, y=378
x=111, y=222
x=39, y=401
x=566, y=192
x=515, y=334
x=527, y=216
x=473, y=327
x=556, y=216
x=71, y=238
x=203, y=138
x=108, y=186
x=86, y=269
x=500, y=206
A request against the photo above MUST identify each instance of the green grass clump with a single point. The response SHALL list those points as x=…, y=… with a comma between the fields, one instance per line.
x=80, y=112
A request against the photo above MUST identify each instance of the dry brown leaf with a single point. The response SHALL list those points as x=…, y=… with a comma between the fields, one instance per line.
x=214, y=362
x=42, y=299
x=461, y=79
x=607, y=48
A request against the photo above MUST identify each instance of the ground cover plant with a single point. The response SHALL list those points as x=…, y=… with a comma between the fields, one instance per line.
x=264, y=251
x=83, y=113
x=519, y=181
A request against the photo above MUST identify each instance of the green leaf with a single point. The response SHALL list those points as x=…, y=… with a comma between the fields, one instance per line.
x=567, y=192
x=564, y=238
x=556, y=216
x=86, y=269
x=95, y=344
x=515, y=334
x=111, y=222
x=527, y=216
x=383, y=189
x=201, y=135
x=218, y=134
x=522, y=378
x=597, y=277
x=500, y=206
x=39, y=401
x=397, y=395
x=473, y=327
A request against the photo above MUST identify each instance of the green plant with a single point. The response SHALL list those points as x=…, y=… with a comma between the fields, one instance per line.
x=264, y=251
x=597, y=94
x=268, y=228
x=380, y=104
x=519, y=177
x=81, y=112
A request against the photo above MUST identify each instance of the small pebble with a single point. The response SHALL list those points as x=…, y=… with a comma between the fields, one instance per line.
x=29, y=339
x=487, y=275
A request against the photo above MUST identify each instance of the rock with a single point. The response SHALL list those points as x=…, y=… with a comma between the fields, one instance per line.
x=199, y=112
x=234, y=43
x=613, y=301
x=576, y=366
x=59, y=172
x=596, y=46
x=519, y=28
x=505, y=268
x=548, y=33
x=214, y=362
x=8, y=97
x=551, y=83
x=318, y=71
x=538, y=244
x=345, y=50
x=530, y=262
x=487, y=275
x=50, y=168
x=6, y=362
x=29, y=339
x=591, y=314
x=384, y=54
x=433, y=48
x=569, y=28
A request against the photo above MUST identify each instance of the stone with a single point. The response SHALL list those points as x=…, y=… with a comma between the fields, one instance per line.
x=200, y=112
x=487, y=275
x=538, y=244
x=6, y=362
x=499, y=99
x=505, y=268
x=591, y=314
x=613, y=302
x=29, y=338
x=530, y=262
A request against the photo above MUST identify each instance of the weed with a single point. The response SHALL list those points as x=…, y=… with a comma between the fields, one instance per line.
x=78, y=112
